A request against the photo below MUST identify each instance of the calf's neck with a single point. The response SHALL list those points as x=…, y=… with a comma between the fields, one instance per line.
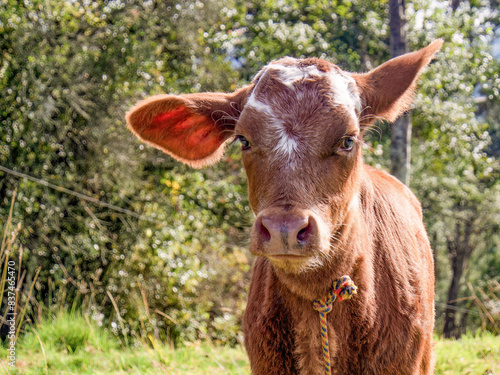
x=320, y=212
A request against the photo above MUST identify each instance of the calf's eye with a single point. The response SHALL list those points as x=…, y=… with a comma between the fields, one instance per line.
x=245, y=145
x=347, y=143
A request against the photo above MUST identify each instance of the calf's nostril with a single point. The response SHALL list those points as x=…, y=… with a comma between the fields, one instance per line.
x=264, y=232
x=303, y=235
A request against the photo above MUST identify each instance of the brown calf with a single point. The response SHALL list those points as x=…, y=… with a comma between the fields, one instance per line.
x=320, y=211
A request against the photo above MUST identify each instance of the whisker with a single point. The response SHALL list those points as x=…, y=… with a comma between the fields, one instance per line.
x=376, y=129
x=235, y=107
x=223, y=115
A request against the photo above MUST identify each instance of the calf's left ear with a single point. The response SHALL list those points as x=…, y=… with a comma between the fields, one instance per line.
x=387, y=91
x=192, y=128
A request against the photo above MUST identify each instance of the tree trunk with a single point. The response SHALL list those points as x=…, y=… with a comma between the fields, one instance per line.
x=457, y=268
x=397, y=25
x=459, y=251
x=455, y=4
x=401, y=129
x=401, y=148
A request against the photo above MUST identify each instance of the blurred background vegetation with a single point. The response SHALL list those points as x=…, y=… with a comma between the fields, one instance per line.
x=146, y=246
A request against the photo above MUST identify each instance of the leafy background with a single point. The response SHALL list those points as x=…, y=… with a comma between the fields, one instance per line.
x=172, y=261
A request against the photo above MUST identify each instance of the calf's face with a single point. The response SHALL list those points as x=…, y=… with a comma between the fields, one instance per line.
x=301, y=139
x=300, y=124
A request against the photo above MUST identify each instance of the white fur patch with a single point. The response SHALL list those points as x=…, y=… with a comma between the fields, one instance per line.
x=343, y=90
x=343, y=87
x=259, y=106
x=291, y=74
x=286, y=146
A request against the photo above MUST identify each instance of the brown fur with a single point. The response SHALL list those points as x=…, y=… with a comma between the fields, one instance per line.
x=320, y=214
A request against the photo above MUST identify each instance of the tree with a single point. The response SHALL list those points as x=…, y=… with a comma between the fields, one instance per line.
x=455, y=175
x=68, y=73
x=401, y=128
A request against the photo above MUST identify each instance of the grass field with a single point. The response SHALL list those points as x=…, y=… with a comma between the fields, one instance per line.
x=198, y=359
x=70, y=344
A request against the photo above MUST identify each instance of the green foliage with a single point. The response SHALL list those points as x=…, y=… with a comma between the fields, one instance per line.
x=69, y=71
x=455, y=173
x=352, y=34
x=195, y=263
x=71, y=343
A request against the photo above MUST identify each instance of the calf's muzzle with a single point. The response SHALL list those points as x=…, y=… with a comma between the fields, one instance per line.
x=281, y=234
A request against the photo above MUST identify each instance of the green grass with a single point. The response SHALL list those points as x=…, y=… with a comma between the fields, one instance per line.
x=69, y=332
x=478, y=355
x=196, y=359
x=71, y=344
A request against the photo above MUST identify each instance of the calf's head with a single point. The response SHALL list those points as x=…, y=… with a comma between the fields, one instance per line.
x=301, y=126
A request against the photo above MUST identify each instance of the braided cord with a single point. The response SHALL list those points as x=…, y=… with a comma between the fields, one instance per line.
x=342, y=289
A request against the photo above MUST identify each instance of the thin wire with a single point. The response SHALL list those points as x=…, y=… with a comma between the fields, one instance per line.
x=456, y=308
x=79, y=195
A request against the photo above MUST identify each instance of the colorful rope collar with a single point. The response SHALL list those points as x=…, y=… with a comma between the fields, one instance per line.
x=343, y=288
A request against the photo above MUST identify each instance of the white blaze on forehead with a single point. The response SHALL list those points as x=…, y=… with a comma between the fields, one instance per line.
x=291, y=74
x=343, y=87
x=258, y=105
x=286, y=145
x=344, y=90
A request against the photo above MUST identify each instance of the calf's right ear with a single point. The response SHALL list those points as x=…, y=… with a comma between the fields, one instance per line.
x=192, y=128
x=387, y=91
